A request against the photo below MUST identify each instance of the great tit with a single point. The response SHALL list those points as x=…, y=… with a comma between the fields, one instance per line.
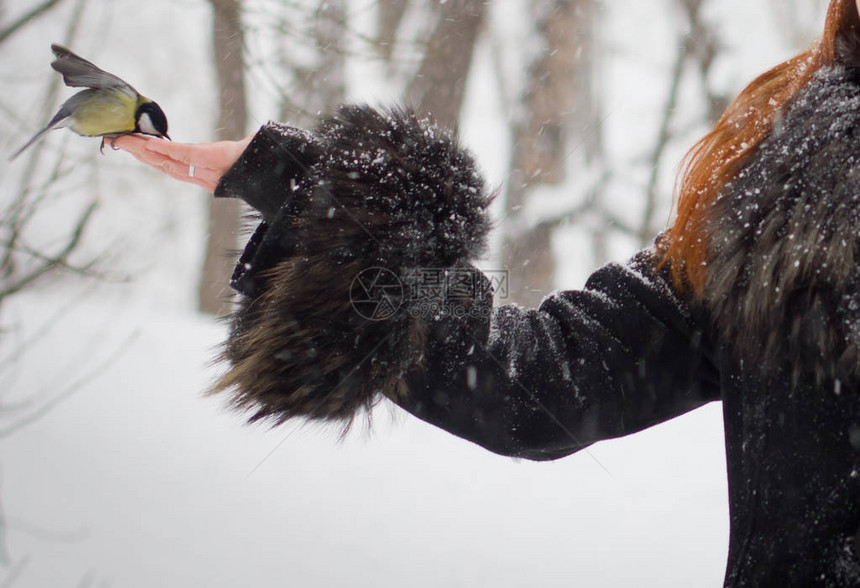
x=109, y=107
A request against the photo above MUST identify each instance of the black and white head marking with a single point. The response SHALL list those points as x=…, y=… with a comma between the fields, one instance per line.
x=151, y=120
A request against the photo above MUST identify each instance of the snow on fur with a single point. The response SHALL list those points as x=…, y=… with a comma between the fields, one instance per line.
x=388, y=191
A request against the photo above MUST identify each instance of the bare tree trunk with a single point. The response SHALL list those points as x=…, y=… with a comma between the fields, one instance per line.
x=390, y=15
x=224, y=214
x=561, y=121
x=439, y=86
x=320, y=85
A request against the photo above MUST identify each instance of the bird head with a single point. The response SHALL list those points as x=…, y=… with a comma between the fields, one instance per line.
x=150, y=120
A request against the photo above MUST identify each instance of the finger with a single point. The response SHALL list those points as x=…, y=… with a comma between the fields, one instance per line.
x=206, y=178
x=134, y=144
x=176, y=169
x=203, y=177
x=154, y=159
x=178, y=151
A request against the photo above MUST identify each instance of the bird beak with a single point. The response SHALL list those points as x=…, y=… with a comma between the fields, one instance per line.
x=165, y=135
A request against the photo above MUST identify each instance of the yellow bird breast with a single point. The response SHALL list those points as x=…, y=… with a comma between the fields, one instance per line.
x=106, y=112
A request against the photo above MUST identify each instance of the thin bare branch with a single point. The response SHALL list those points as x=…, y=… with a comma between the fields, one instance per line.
x=698, y=43
x=646, y=230
x=22, y=208
x=15, y=572
x=26, y=18
x=55, y=261
x=22, y=347
x=70, y=391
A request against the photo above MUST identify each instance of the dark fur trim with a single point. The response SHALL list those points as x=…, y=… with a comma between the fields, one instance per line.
x=848, y=44
x=389, y=191
x=783, y=273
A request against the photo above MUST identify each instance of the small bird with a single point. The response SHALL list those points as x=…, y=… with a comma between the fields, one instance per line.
x=108, y=108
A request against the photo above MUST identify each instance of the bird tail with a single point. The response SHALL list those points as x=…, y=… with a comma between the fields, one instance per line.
x=35, y=138
x=61, y=119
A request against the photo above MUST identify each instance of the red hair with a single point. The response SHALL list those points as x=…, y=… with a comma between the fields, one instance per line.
x=715, y=158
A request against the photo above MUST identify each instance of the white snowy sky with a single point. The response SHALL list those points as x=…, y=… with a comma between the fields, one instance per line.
x=136, y=480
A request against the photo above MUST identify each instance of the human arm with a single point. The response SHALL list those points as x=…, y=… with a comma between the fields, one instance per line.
x=382, y=190
x=614, y=358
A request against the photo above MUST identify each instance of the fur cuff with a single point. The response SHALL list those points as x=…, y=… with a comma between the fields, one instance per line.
x=389, y=194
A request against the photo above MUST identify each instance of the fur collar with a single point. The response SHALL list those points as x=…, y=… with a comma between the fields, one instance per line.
x=783, y=282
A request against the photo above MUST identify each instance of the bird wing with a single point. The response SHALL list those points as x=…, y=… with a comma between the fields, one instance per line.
x=78, y=72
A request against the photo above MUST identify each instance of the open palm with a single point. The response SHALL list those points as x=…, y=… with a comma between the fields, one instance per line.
x=202, y=164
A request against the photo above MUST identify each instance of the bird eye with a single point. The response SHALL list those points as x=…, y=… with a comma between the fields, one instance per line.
x=151, y=120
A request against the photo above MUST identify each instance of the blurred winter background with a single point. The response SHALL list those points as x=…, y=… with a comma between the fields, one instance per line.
x=116, y=471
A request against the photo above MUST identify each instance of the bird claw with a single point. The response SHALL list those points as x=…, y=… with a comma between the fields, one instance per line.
x=113, y=146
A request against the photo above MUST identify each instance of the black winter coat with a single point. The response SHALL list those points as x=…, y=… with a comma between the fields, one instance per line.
x=774, y=338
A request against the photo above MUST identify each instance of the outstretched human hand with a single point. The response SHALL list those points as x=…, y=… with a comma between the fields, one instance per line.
x=202, y=164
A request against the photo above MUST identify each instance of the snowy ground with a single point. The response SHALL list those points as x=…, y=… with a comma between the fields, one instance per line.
x=136, y=480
